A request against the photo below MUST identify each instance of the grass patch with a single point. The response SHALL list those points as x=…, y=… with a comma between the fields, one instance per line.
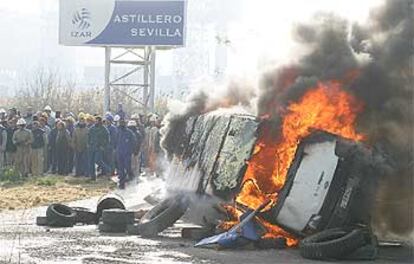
x=47, y=181
x=36, y=191
x=9, y=175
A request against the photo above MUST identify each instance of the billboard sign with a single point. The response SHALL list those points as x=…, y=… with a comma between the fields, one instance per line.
x=122, y=22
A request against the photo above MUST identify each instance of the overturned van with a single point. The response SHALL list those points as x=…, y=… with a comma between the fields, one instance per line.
x=326, y=183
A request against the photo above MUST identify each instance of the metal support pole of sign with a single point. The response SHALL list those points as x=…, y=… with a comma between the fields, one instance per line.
x=107, y=88
x=151, y=103
x=146, y=71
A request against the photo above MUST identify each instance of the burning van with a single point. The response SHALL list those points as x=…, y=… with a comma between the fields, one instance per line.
x=312, y=179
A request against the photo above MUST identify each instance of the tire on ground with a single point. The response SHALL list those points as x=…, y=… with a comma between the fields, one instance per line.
x=332, y=243
x=59, y=215
x=132, y=229
x=108, y=201
x=41, y=221
x=162, y=216
x=118, y=217
x=84, y=215
x=106, y=228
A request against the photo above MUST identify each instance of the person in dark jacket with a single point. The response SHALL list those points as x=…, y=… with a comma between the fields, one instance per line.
x=36, y=155
x=109, y=155
x=11, y=149
x=126, y=142
x=3, y=142
x=70, y=126
x=52, y=161
x=62, y=146
x=98, y=140
x=136, y=161
x=80, y=145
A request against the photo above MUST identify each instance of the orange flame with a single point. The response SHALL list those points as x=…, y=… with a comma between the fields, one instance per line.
x=324, y=107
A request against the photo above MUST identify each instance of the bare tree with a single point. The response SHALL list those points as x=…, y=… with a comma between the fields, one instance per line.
x=47, y=87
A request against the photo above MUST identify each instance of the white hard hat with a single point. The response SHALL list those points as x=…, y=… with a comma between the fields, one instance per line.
x=47, y=108
x=117, y=118
x=134, y=116
x=20, y=122
x=132, y=123
x=2, y=111
x=153, y=118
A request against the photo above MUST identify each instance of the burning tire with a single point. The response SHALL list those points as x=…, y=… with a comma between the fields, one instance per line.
x=84, y=215
x=162, y=216
x=332, y=243
x=59, y=215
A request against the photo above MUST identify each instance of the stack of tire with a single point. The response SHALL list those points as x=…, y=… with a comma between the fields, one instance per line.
x=112, y=217
x=159, y=218
x=60, y=215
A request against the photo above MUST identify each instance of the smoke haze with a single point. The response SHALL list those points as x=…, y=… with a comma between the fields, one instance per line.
x=374, y=61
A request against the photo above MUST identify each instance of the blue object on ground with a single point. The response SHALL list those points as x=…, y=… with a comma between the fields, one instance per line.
x=239, y=235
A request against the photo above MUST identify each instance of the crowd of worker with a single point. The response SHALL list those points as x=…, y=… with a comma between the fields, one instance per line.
x=81, y=144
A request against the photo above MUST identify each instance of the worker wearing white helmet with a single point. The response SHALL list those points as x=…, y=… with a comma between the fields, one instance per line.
x=23, y=139
x=132, y=123
x=2, y=114
x=51, y=120
x=21, y=122
x=47, y=109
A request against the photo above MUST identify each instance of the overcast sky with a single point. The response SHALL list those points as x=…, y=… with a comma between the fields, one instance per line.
x=258, y=30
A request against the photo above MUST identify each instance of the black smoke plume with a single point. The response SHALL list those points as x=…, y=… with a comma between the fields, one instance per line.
x=380, y=53
x=375, y=62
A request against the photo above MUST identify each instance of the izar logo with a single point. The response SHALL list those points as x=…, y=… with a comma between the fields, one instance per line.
x=82, y=18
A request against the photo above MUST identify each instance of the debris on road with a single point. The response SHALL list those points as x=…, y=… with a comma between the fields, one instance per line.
x=239, y=235
x=133, y=229
x=163, y=215
x=271, y=243
x=41, y=221
x=196, y=233
x=84, y=216
x=59, y=215
x=336, y=243
x=116, y=220
x=108, y=201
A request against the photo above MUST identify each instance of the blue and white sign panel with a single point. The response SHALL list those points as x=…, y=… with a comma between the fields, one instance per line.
x=122, y=22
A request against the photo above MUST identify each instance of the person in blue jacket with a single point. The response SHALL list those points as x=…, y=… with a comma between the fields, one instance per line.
x=109, y=156
x=125, y=147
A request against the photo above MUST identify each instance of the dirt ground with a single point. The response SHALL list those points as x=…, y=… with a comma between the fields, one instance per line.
x=49, y=189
